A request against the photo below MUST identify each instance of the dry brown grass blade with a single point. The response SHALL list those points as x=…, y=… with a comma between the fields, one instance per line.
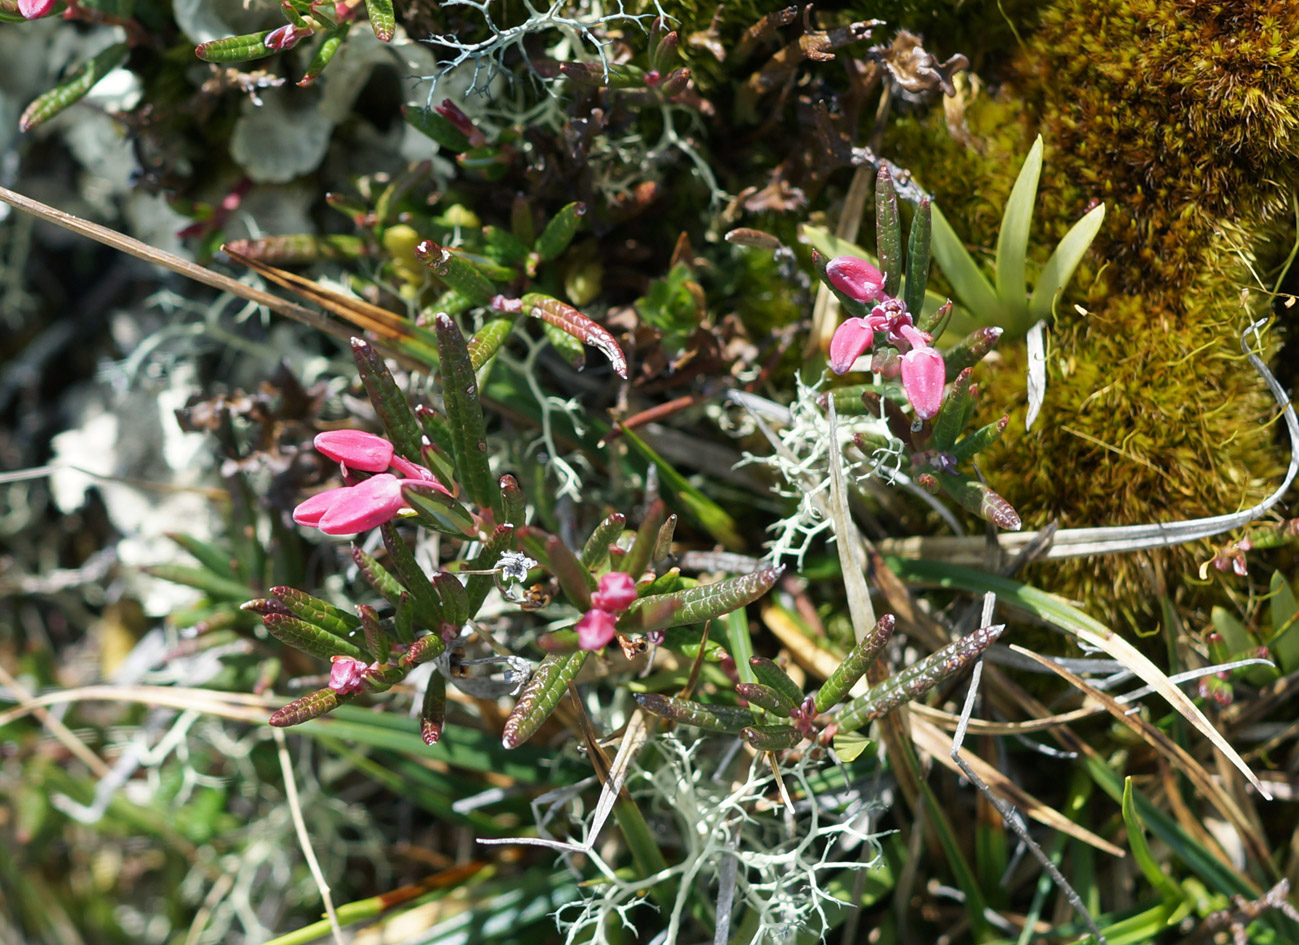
x=938, y=743
x=191, y=270
x=1176, y=755
x=384, y=324
x=948, y=721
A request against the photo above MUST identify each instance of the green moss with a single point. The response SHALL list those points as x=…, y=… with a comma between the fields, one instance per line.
x=1183, y=116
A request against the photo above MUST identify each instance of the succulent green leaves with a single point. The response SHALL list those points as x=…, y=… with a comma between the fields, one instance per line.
x=696, y=604
x=547, y=685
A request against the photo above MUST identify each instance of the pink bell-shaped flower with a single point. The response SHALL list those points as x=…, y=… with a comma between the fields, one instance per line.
x=851, y=340
x=855, y=278
x=923, y=377
x=34, y=9
x=356, y=449
x=616, y=593
x=353, y=509
x=595, y=629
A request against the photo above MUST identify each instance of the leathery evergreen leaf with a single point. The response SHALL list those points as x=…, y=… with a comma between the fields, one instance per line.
x=918, y=256
x=888, y=230
x=313, y=705
x=309, y=638
x=914, y=681
x=711, y=718
x=696, y=604
x=464, y=414
x=855, y=664
x=539, y=697
x=390, y=403
x=314, y=610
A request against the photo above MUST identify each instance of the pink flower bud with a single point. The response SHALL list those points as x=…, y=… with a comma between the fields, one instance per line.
x=347, y=675
x=34, y=9
x=595, y=629
x=286, y=37
x=356, y=449
x=616, y=593
x=353, y=509
x=923, y=376
x=856, y=278
x=851, y=340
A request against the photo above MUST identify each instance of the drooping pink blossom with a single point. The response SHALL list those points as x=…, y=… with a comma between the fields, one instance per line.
x=856, y=278
x=616, y=593
x=595, y=629
x=923, y=377
x=851, y=340
x=35, y=9
x=353, y=509
x=356, y=449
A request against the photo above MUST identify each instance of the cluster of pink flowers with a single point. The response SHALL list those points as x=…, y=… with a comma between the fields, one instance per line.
x=370, y=502
x=596, y=628
x=923, y=372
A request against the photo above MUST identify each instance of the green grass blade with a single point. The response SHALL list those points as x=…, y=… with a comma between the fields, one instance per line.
x=972, y=288
x=1064, y=260
x=1012, y=240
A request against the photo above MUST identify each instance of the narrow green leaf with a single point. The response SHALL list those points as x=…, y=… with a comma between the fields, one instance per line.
x=295, y=249
x=513, y=502
x=382, y=19
x=970, y=350
x=918, y=256
x=503, y=247
x=979, y=440
x=428, y=607
x=972, y=287
x=377, y=576
x=770, y=674
x=433, y=709
x=559, y=232
x=854, y=665
x=575, y=580
x=209, y=582
x=479, y=586
x=465, y=415
x=236, y=48
x=320, y=612
x=403, y=624
x=1284, y=640
x=596, y=550
x=309, y=638
x=566, y=346
x=955, y=412
x=1059, y=269
x=1012, y=240
x=663, y=545
x=569, y=320
x=711, y=718
x=456, y=271
x=696, y=604
x=1141, y=851
x=771, y=737
x=324, y=54
x=208, y=555
x=916, y=680
x=981, y=500
x=390, y=403
x=436, y=429
x=313, y=705
x=888, y=230
x=74, y=88
x=433, y=125
x=488, y=339
x=539, y=697
x=642, y=549
x=453, y=598
x=436, y=510
x=764, y=697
